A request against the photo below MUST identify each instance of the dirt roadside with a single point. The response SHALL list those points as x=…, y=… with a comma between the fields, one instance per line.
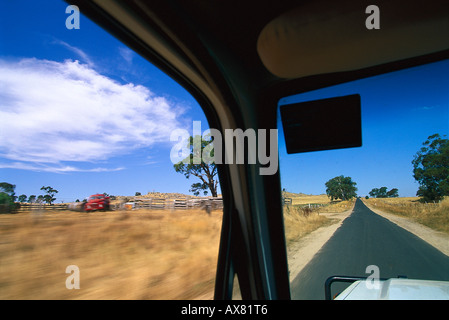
x=301, y=252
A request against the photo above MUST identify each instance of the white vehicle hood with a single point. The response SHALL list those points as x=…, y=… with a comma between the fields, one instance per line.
x=396, y=289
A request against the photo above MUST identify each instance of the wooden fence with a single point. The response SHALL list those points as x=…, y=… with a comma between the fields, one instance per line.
x=25, y=207
x=287, y=201
x=170, y=204
x=136, y=203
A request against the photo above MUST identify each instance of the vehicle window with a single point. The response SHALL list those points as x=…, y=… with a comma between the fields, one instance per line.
x=378, y=210
x=95, y=200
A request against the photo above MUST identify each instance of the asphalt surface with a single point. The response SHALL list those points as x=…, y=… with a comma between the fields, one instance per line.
x=364, y=239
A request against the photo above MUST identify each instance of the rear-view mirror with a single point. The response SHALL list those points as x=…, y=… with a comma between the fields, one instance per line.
x=326, y=124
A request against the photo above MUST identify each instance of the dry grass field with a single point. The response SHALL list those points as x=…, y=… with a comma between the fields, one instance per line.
x=120, y=255
x=432, y=215
x=325, y=205
x=298, y=225
x=300, y=220
x=300, y=198
x=141, y=254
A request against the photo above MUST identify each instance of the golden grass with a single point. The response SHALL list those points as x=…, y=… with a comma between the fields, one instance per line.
x=121, y=255
x=299, y=198
x=138, y=254
x=337, y=206
x=432, y=215
x=326, y=205
x=298, y=225
x=300, y=220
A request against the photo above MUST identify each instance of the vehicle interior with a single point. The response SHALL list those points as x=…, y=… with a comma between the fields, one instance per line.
x=238, y=59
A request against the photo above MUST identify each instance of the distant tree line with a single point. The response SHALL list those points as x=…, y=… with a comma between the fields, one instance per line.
x=383, y=193
x=430, y=170
x=8, y=197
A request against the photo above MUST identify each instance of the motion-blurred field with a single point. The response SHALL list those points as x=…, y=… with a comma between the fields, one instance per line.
x=121, y=255
x=141, y=254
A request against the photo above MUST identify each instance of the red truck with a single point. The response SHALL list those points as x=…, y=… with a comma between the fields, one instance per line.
x=97, y=202
x=94, y=202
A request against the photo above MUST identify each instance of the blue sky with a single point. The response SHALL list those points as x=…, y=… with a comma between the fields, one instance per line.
x=82, y=113
x=399, y=111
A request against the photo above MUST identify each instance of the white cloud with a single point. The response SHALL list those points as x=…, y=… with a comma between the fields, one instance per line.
x=80, y=53
x=51, y=112
x=53, y=168
x=127, y=54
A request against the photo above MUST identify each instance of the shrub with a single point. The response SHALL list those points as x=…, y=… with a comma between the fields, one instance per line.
x=6, y=204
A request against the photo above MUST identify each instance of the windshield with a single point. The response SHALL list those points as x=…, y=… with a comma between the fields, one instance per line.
x=382, y=209
x=96, y=197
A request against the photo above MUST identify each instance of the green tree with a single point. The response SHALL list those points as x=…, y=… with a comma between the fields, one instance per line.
x=341, y=188
x=40, y=199
x=7, y=197
x=32, y=198
x=374, y=192
x=431, y=168
x=378, y=192
x=22, y=198
x=8, y=188
x=49, y=197
x=383, y=193
x=195, y=165
x=6, y=205
x=393, y=193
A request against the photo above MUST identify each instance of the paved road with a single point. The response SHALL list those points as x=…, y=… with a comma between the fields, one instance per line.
x=364, y=239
